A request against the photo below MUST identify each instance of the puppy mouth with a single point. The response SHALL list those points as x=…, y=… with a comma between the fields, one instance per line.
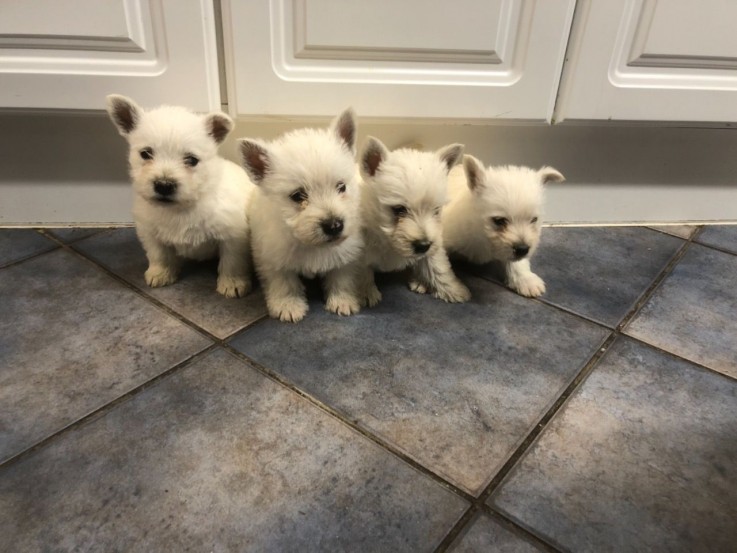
x=163, y=200
x=334, y=240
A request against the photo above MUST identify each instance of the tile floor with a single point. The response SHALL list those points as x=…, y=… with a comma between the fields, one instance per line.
x=602, y=417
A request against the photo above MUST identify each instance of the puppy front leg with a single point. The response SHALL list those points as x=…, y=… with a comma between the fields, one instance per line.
x=163, y=262
x=522, y=280
x=234, y=268
x=285, y=295
x=341, y=285
x=434, y=274
x=368, y=292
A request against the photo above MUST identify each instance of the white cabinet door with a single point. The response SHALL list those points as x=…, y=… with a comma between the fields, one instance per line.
x=71, y=53
x=466, y=59
x=668, y=60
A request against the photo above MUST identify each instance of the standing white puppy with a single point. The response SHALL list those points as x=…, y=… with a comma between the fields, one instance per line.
x=495, y=215
x=189, y=202
x=403, y=194
x=305, y=216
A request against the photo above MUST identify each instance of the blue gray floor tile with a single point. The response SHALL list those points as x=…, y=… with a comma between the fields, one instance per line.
x=193, y=296
x=163, y=472
x=124, y=427
x=456, y=387
x=641, y=459
x=73, y=340
x=599, y=272
x=682, y=231
x=719, y=236
x=17, y=244
x=694, y=312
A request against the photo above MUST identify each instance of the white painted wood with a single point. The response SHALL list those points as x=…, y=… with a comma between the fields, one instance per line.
x=69, y=54
x=476, y=59
x=652, y=60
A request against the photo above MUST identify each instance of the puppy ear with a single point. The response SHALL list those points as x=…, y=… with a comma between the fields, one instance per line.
x=475, y=173
x=374, y=154
x=124, y=112
x=344, y=127
x=255, y=158
x=548, y=174
x=218, y=126
x=450, y=155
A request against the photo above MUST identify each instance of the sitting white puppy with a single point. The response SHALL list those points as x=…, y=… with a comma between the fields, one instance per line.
x=305, y=216
x=189, y=202
x=495, y=214
x=403, y=194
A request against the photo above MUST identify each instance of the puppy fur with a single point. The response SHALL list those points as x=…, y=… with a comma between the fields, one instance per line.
x=188, y=201
x=403, y=194
x=495, y=214
x=305, y=216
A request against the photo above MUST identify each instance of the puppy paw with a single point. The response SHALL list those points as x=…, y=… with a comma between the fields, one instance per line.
x=233, y=286
x=453, y=293
x=342, y=304
x=289, y=310
x=417, y=286
x=372, y=296
x=156, y=276
x=530, y=285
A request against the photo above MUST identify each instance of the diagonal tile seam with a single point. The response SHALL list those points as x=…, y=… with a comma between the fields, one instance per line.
x=352, y=424
x=522, y=448
x=34, y=255
x=512, y=526
x=533, y=435
x=662, y=231
x=476, y=503
x=101, y=411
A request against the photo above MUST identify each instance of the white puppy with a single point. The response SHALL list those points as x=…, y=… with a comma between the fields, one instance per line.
x=403, y=194
x=305, y=216
x=189, y=202
x=495, y=215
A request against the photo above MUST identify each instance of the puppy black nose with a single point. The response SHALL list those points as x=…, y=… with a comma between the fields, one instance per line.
x=165, y=187
x=421, y=246
x=332, y=227
x=520, y=250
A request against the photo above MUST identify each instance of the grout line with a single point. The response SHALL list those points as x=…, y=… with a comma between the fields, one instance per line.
x=352, y=424
x=459, y=527
x=104, y=409
x=513, y=526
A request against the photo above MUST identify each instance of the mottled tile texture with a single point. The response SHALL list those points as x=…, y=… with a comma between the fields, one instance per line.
x=641, y=459
x=16, y=244
x=486, y=536
x=599, y=272
x=72, y=339
x=694, y=312
x=457, y=387
x=193, y=295
x=367, y=433
x=219, y=458
x=720, y=236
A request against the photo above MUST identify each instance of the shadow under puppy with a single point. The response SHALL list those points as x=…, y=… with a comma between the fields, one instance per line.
x=403, y=194
x=495, y=214
x=188, y=202
x=305, y=216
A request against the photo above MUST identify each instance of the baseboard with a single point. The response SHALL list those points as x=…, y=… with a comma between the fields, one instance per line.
x=71, y=168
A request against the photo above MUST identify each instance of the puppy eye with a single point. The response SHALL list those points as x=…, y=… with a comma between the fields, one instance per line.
x=533, y=220
x=147, y=154
x=437, y=210
x=340, y=186
x=191, y=161
x=500, y=222
x=399, y=210
x=298, y=196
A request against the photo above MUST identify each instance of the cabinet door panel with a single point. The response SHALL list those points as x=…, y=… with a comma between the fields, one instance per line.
x=474, y=59
x=71, y=53
x=673, y=60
